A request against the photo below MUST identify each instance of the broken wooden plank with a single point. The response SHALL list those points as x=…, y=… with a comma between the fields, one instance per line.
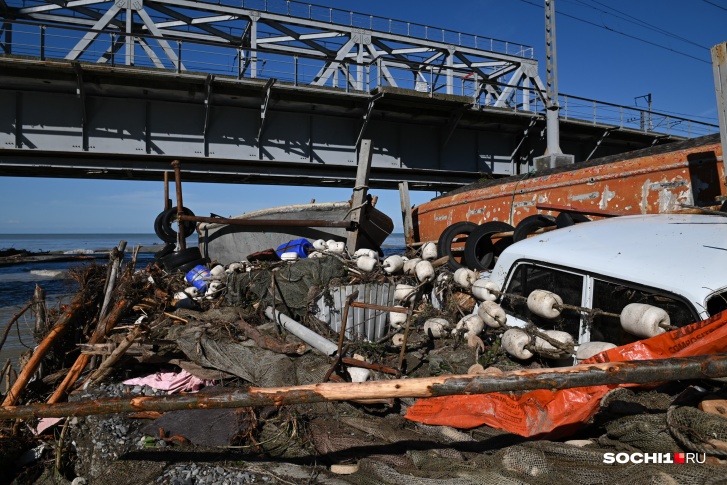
x=610, y=373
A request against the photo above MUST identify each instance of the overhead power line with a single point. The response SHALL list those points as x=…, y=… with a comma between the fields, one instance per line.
x=623, y=33
x=716, y=5
x=637, y=21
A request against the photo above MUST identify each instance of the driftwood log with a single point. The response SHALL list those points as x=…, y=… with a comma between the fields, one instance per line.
x=636, y=372
x=57, y=331
x=99, y=334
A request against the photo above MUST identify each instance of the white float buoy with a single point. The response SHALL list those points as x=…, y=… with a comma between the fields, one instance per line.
x=337, y=247
x=429, y=251
x=397, y=340
x=644, y=320
x=544, y=303
x=410, y=266
x=436, y=327
x=514, y=341
x=587, y=350
x=393, y=264
x=233, y=267
x=544, y=347
x=492, y=314
x=214, y=289
x=472, y=323
x=404, y=293
x=218, y=272
x=180, y=295
x=315, y=254
x=191, y=291
x=397, y=319
x=483, y=290
x=365, y=252
x=424, y=271
x=366, y=263
x=329, y=243
x=320, y=245
x=289, y=256
x=465, y=277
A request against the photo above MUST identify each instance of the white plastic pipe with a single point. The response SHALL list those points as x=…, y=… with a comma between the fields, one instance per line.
x=302, y=332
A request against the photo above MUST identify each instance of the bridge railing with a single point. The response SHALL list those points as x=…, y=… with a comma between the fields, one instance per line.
x=55, y=42
x=331, y=15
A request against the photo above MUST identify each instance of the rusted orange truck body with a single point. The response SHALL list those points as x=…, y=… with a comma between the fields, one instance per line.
x=653, y=180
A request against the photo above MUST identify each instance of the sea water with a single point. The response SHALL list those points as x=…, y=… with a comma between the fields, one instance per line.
x=17, y=282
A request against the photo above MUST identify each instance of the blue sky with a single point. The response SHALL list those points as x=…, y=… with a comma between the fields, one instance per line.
x=671, y=61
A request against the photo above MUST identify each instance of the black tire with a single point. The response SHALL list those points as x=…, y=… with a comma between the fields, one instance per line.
x=187, y=226
x=160, y=229
x=185, y=268
x=479, y=252
x=531, y=224
x=178, y=258
x=567, y=219
x=167, y=249
x=444, y=245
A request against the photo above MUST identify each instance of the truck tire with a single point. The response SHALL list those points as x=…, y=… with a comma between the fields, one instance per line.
x=187, y=227
x=480, y=251
x=160, y=229
x=531, y=224
x=567, y=219
x=444, y=245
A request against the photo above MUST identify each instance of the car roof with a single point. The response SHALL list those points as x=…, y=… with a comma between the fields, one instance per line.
x=685, y=254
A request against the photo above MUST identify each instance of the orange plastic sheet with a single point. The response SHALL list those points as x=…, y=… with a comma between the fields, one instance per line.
x=558, y=413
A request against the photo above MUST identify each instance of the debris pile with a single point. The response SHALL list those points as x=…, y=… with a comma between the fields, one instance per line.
x=216, y=335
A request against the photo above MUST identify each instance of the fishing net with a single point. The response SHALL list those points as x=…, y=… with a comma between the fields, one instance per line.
x=295, y=284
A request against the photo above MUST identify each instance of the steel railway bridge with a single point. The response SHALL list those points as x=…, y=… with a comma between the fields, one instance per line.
x=280, y=92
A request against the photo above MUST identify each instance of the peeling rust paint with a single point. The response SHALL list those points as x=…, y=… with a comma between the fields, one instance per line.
x=648, y=184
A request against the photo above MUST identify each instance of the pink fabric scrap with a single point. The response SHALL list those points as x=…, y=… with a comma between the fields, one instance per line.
x=171, y=382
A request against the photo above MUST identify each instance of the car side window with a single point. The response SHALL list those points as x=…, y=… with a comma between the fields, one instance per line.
x=528, y=277
x=613, y=297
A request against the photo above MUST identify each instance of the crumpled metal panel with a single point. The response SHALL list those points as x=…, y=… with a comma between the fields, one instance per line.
x=362, y=323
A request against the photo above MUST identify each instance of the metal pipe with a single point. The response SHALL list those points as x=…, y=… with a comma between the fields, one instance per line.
x=268, y=222
x=180, y=204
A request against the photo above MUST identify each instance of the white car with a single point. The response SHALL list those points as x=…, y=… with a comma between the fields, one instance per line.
x=677, y=262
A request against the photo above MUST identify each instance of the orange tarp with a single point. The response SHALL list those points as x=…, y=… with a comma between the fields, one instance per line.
x=558, y=413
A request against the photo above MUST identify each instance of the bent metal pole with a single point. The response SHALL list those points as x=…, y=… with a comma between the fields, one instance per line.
x=634, y=372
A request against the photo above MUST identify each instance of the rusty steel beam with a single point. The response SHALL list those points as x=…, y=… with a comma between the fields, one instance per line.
x=610, y=373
